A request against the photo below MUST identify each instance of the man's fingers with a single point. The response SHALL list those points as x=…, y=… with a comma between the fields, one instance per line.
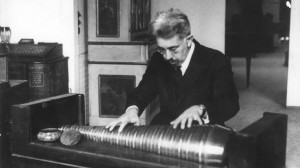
x=199, y=120
x=174, y=123
x=110, y=124
x=123, y=124
x=183, y=122
x=190, y=121
x=113, y=125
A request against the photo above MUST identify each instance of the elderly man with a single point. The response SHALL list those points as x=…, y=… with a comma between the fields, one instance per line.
x=194, y=83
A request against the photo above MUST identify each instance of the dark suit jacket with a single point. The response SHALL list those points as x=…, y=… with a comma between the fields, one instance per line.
x=208, y=80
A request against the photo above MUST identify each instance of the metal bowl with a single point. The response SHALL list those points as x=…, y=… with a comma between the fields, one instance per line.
x=49, y=134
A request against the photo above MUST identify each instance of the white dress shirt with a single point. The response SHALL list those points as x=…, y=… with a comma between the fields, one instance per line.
x=187, y=60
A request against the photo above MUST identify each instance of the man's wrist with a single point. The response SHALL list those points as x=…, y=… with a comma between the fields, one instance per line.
x=203, y=110
x=204, y=115
x=132, y=109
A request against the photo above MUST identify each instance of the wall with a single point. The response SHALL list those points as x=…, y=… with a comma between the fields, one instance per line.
x=81, y=72
x=293, y=90
x=43, y=21
x=207, y=19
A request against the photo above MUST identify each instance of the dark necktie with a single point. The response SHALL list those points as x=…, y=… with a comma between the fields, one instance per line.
x=177, y=77
x=178, y=73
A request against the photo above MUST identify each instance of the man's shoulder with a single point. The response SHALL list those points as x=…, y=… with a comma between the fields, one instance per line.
x=209, y=55
x=207, y=50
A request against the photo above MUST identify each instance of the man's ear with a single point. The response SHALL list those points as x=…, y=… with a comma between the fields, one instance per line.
x=190, y=40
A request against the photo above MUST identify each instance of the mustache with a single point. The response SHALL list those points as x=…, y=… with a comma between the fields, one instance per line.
x=170, y=60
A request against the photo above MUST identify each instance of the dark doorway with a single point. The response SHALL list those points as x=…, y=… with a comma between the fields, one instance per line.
x=258, y=30
x=252, y=24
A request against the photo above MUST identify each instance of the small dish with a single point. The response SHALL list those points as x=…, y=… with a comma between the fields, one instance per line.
x=49, y=134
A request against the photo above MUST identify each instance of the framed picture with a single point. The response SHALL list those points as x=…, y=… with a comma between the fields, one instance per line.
x=140, y=18
x=113, y=91
x=108, y=18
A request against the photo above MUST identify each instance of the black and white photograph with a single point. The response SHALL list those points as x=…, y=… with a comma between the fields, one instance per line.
x=149, y=83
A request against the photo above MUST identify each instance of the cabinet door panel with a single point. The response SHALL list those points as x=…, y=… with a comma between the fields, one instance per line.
x=17, y=71
x=39, y=75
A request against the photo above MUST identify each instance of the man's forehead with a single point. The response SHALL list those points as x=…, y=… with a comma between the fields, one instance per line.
x=170, y=42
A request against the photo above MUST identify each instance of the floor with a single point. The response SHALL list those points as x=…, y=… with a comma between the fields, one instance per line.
x=267, y=92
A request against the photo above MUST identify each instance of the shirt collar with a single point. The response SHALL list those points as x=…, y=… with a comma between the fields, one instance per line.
x=187, y=60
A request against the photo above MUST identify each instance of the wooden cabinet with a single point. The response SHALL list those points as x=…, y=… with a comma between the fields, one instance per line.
x=44, y=67
x=47, y=79
x=3, y=68
x=14, y=93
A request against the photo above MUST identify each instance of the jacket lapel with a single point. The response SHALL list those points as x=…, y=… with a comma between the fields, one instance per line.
x=167, y=73
x=194, y=71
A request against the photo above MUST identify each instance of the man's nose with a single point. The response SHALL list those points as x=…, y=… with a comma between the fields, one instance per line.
x=168, y=55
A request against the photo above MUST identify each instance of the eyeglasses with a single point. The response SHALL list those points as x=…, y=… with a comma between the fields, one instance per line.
x=172, y=50
x=164, y=51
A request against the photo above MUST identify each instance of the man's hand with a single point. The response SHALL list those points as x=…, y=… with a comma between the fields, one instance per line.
x=189, y=115
x=130, y=116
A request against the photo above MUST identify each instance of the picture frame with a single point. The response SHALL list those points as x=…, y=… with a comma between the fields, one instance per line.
x=108, y=18
x=140, y=14
x=113, y=91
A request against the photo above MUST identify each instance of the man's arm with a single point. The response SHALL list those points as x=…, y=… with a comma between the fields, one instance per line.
x=147, y=88
x=137, y=100
x=225, y=102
